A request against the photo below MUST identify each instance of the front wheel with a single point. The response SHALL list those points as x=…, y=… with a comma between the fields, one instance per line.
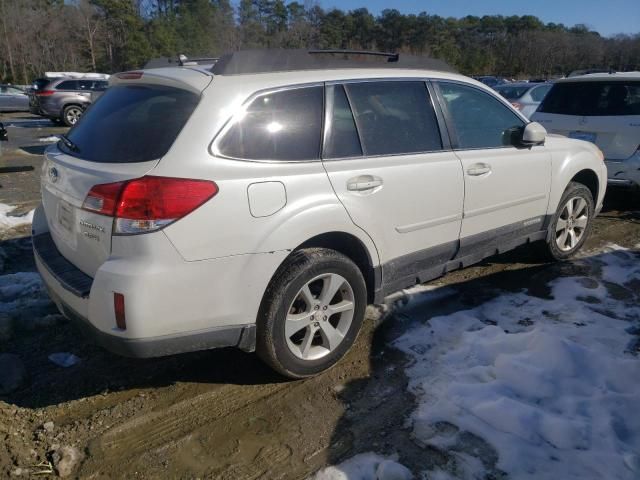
x=571, y=224
x=311, y=313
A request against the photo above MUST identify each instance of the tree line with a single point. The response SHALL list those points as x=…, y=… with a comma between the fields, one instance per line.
x=115, y=35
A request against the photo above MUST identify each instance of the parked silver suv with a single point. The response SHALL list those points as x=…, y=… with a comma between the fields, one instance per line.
x=263, y=203
x=65, y=99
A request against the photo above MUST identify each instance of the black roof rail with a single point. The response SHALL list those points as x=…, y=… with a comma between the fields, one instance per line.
x=287, y=60
x=392, y=57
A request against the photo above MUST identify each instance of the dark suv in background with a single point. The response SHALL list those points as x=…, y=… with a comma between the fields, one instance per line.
x=65, y=99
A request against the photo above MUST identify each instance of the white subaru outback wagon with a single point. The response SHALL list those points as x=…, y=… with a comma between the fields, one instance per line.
x=263, y=202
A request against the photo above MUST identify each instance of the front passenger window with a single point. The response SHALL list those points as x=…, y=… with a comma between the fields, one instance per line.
x=479, y=120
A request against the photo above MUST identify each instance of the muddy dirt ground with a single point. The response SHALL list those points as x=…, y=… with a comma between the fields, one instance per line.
x=223, y=414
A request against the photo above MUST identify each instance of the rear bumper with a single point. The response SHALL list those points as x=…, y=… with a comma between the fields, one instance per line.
x=70, y=288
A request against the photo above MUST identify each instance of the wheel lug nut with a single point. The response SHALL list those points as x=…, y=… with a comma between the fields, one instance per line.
x=316, y=324
x=324, y=308
x=317, y=307
x=324, y=318
x=313, y=317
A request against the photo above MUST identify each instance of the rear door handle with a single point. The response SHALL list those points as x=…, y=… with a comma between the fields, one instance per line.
x=478, y=169
x=363, y=183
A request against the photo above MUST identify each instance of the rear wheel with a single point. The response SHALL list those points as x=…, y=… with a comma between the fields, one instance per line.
x=571, y=224
x=312, y=312
x=71, y=115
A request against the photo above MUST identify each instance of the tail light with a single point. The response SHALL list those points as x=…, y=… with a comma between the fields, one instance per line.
x=149, y=203
x=516, y=105
x=45, y=93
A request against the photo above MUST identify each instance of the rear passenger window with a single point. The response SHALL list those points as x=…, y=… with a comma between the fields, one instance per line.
x=394, y=117
x=342, y=136
x=68, y=85
x=479, y=120
x=283, y=125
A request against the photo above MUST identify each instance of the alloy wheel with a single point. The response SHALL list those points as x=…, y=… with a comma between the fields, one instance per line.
x=572, y=223
x=319, y=316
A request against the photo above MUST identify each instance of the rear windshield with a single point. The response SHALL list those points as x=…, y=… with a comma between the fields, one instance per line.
x=512, y=92
x=131, y=123
x=593, y=99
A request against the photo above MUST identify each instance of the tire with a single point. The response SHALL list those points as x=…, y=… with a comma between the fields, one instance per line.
x=575, y=214
x=71, y=114
x=291, y=340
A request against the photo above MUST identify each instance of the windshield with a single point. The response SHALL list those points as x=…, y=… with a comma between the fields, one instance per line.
x=131, y=123
x=513, y=92
x=593, y=98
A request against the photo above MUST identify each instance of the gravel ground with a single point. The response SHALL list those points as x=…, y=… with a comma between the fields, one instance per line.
x=217, y=414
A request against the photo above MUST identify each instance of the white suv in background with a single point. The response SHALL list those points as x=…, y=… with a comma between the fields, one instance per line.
x=603, y=108
x=264, y=202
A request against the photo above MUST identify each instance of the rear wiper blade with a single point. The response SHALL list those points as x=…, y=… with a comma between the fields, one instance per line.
x=69, y=144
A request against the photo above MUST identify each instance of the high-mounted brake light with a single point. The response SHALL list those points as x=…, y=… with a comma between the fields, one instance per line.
x=45, y=93
x=149, y=203
x=130, y=75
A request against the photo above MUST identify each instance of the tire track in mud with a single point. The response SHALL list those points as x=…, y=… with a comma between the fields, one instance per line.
x=153, y=430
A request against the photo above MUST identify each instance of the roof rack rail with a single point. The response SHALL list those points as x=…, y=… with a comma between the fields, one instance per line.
x=392, y=57
x=287, y=60
x=184, y=61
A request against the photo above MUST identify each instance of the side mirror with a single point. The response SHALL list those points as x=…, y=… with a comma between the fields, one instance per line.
x=533, y=134
x=4, y=136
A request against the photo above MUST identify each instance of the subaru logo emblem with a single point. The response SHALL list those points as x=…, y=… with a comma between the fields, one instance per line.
x=53, y=174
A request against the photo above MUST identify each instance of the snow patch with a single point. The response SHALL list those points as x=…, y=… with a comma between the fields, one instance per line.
x=50, y=139
x=366, y=466
x=548, y=384
x=21, y=291
x=9, y=221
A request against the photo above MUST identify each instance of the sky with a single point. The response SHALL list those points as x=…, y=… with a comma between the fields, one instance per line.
x=607, y=17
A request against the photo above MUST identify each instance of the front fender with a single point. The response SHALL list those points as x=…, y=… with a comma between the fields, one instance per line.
x=570, y=157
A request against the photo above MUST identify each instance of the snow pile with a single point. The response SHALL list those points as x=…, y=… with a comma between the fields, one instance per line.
x=50, y=139
x=8, y=221
x=366, y=466
x=20, y=291
x=550, y=384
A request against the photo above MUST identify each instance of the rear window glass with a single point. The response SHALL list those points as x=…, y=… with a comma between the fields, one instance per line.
x=132, y=123
x=593, y=99
x=512, y=92
x=284, y=125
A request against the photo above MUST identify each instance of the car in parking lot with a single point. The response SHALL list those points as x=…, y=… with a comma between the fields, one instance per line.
x=601, y=108
x=263, y=202
x=65, y=99
x=524, y=96
x=13, y=99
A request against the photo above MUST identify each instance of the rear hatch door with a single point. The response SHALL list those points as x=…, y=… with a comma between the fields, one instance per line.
x=606, y=113
x=123, y=136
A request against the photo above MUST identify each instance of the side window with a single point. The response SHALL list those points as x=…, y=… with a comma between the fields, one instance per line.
x=342, y=135
x=394, y=117
x=539, y=93
x=100, y=86
x=479, y=120
x=68, y=85
x=85, y=84
x=285, y=125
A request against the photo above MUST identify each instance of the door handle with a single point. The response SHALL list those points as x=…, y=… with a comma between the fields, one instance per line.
x=363, y=182
x=478, y=169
